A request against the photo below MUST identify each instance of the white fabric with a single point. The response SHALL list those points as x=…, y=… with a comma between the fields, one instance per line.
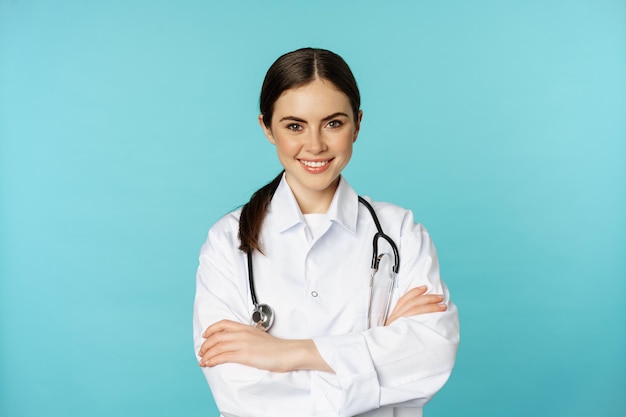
x=317, y=224
x=319, y=289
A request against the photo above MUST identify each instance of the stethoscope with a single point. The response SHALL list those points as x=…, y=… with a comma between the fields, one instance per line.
x=263, y=314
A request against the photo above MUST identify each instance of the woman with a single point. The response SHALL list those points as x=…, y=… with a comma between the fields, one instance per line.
x=310, y=246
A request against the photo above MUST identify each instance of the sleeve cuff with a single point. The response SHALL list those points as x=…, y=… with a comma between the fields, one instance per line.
x=354, y=387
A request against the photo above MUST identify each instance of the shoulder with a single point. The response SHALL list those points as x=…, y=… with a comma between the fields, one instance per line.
x=397, y=221
x=227, y=222
x=391, y=214
x=386, y=208
x=224, y=232
x=411, y=237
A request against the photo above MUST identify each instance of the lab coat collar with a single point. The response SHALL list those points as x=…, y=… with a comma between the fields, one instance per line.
x=343, y=208
x=284, y=212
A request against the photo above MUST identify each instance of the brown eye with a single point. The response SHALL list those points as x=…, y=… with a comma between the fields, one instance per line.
x=294, y=127
x=333, y=124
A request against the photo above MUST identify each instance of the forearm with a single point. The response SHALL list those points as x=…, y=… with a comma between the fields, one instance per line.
x=230, y=342
x=241, y=390
x=408, y=361
x=305, y=356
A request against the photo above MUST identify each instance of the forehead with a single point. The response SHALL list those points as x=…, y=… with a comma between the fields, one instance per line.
x=317, y=99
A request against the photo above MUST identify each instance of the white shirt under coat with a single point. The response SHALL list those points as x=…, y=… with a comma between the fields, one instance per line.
x=319, y=289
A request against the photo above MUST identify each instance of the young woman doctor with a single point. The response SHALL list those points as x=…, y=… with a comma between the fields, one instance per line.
x=311, y=246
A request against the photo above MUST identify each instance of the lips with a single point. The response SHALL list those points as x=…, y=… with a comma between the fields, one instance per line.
x=314, y=164
x=315, y=167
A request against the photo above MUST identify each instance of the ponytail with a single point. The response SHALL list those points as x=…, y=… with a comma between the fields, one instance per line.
x=253, y=214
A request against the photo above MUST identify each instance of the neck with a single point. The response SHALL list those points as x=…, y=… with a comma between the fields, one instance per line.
x=312, y=202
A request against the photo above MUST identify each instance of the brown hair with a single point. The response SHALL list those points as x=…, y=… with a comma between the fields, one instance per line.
x=291, y=70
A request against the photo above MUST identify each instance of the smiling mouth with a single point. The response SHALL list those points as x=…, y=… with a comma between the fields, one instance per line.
x=315, y=167
x=314, y=164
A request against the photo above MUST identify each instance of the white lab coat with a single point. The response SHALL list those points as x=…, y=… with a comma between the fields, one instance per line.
x=319, y=289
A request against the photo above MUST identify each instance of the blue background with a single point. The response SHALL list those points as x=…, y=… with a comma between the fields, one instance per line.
x=128, y=128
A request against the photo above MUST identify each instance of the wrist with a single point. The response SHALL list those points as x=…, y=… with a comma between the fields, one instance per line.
x=305, y=356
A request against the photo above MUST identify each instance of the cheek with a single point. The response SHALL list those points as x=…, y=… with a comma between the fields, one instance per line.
x=345, y=147
x=286, y=147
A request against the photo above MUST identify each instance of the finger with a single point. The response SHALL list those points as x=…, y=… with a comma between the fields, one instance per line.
x=219, y=343
x=411, y=306
x=420, y=309
x=216, y=327
x=228, y=332
x=423, y=309
x=221, y=326
x=413, y=292
x=417, y=310
x=419, y=300
x=425, y=299
x=226, y=357
x=220, y=334
x=237, y=347
x=211, y=341
x=219, y=353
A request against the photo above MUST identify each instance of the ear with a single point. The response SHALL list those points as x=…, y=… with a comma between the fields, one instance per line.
x=266, y=130
x=357, y=128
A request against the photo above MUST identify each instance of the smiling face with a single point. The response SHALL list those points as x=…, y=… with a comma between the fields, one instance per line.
x=313, y=128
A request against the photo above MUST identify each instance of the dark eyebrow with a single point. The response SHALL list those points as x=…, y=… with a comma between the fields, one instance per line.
x=292, y=118
x=332, y=116
x=297, y=119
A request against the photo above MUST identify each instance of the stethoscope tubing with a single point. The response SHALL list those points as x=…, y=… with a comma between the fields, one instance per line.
x=381, y=235
x=263, y=315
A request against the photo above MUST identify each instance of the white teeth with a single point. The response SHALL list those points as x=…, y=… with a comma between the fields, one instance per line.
x=312, y=164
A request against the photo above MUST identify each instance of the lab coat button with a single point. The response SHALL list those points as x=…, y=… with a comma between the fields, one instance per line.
x=314, y=293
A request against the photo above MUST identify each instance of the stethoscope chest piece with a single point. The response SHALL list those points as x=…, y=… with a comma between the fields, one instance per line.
x=263, y=317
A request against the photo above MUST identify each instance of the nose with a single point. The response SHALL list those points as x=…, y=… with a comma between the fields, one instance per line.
x=315, y=142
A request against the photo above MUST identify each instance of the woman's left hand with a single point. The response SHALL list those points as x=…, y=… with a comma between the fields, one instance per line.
x=415, y=302
x=231, y=342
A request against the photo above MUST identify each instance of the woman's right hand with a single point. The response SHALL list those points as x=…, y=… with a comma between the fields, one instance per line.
x=415, y=302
